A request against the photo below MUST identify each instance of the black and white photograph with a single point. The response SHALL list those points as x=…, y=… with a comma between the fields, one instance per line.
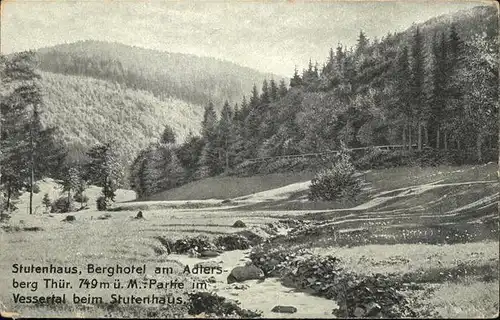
x=249, y=159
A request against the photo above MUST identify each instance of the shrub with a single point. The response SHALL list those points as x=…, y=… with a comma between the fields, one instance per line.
x=69, y=218
x=239, y=224
x=337, y=182
x=103, y=203
x=47, y=203
x=4, y=217
x=62, y=205
x=36, y=188
x=80, y=197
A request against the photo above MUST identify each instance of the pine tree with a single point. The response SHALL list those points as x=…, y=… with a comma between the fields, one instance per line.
x=208, y=162
x=437, y=91
x=28, y=150
x=419, y=112
x=47, y=203
x=296, y=80
x=402, y=109
x=104, y=169
x=273, y=91
x=362, y=43
x=168, y=135
x=226, y=137
x=265, y=97
x=282, y=89
x=71, y=182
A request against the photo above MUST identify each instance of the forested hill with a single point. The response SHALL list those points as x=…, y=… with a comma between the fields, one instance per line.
x=89, y=111
x=185, y=77
x=434, y=85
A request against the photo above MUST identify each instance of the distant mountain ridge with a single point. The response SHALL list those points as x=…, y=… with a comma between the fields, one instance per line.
x=191, y=78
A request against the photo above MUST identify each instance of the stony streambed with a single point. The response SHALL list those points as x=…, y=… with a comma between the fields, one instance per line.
x=284, y=283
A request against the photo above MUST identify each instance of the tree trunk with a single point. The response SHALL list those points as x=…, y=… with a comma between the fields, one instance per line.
x=426, y=136
x=438, y=137
x=410, y=146
x=419, y=140
x=227, y=157
x=9, y=192
x=446, y=140
x=479, y=151
x=404, y=136
x=32, y=169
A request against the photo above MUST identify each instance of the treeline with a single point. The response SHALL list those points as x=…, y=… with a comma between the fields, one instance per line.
x=185, y=77
x=430, y=88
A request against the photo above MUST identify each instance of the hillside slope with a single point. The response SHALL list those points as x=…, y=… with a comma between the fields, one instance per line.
x=182, y=76
x=88, y=111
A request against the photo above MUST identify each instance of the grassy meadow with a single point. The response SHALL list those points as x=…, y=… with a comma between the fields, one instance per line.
x=457, y=277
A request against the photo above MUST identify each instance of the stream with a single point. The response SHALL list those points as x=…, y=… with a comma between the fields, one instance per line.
x=261, y=295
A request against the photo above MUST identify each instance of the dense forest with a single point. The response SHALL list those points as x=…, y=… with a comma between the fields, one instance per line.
x=89, y=111
x=166, y=75
x=434, y=86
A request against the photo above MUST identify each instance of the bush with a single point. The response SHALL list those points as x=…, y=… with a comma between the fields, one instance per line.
x=4, y=217
x=103, y=203
x=47, y=203
x=62, y=205
x=337, y=182
x=80, y=197
x=36, y=188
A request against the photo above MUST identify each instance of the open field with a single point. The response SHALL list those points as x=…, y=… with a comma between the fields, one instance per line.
x=395, y=230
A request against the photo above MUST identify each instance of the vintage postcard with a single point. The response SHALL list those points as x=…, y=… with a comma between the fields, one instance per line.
x=249, y=159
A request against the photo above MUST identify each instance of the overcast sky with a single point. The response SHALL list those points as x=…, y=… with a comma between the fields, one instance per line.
x=269, y=36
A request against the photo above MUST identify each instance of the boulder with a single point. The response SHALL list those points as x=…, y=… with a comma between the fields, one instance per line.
x=249, y=272
x=284, y=309
x=239, y=224
x=139, y=215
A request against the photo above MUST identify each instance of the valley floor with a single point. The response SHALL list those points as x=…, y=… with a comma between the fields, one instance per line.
x=435, y=227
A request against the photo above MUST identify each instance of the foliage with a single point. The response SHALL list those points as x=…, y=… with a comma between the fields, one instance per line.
x=47, y=202
x=102, y=110
x=337, y=182
x=168, y=135
x=155, y=169
x=102, y=203
x=36, y=188
x=62, y=205
x=433, y=86
x=104, y=169
x=29, y=150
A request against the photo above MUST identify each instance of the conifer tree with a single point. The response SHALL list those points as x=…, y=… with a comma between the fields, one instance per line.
x=282, y=89
x=418, y=112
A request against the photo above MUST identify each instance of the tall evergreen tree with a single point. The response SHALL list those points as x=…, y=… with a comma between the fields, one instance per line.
x=282, y=89
x=419, y=112
x=273, y=91
x=226, y=136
